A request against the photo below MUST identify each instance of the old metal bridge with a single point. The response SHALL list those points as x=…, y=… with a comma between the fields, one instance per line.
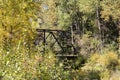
x=59, y=41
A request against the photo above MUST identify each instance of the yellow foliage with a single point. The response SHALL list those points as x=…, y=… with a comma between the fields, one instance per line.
x=49, y=14
x=107, y=59
x=15, y=18
x=3, y=34
x=105, y=75
x=110, y=8
x=96, y=56
x=103, y=63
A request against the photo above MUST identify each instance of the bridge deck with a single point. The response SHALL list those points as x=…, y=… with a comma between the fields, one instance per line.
x=66, y=55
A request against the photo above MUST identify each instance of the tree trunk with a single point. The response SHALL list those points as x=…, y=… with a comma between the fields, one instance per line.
x=72, y=41
x=99, y=27
x=119, y=36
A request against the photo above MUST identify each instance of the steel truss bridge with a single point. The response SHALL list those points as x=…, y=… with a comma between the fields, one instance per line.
x=59, y=41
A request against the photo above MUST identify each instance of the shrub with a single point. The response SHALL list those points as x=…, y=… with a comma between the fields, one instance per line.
x=104, y=64
x=29, y=64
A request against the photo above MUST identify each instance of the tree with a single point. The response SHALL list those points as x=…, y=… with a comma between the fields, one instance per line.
x=111, y=8
x=48, y=15
x=18, y=17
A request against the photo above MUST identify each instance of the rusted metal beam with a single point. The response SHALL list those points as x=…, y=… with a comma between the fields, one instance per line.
x=49, y=30
x=57, y=41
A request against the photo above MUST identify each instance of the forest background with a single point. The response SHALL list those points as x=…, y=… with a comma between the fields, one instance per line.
x=95, y=25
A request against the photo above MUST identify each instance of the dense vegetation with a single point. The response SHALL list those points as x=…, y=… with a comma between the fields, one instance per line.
x=94, y=24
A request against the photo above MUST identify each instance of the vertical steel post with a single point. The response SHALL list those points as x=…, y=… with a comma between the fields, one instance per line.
x=44, y=40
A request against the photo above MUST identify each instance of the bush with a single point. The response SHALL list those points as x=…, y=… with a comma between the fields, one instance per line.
x=87, y=44
x=21, y=63
x=104, y=64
